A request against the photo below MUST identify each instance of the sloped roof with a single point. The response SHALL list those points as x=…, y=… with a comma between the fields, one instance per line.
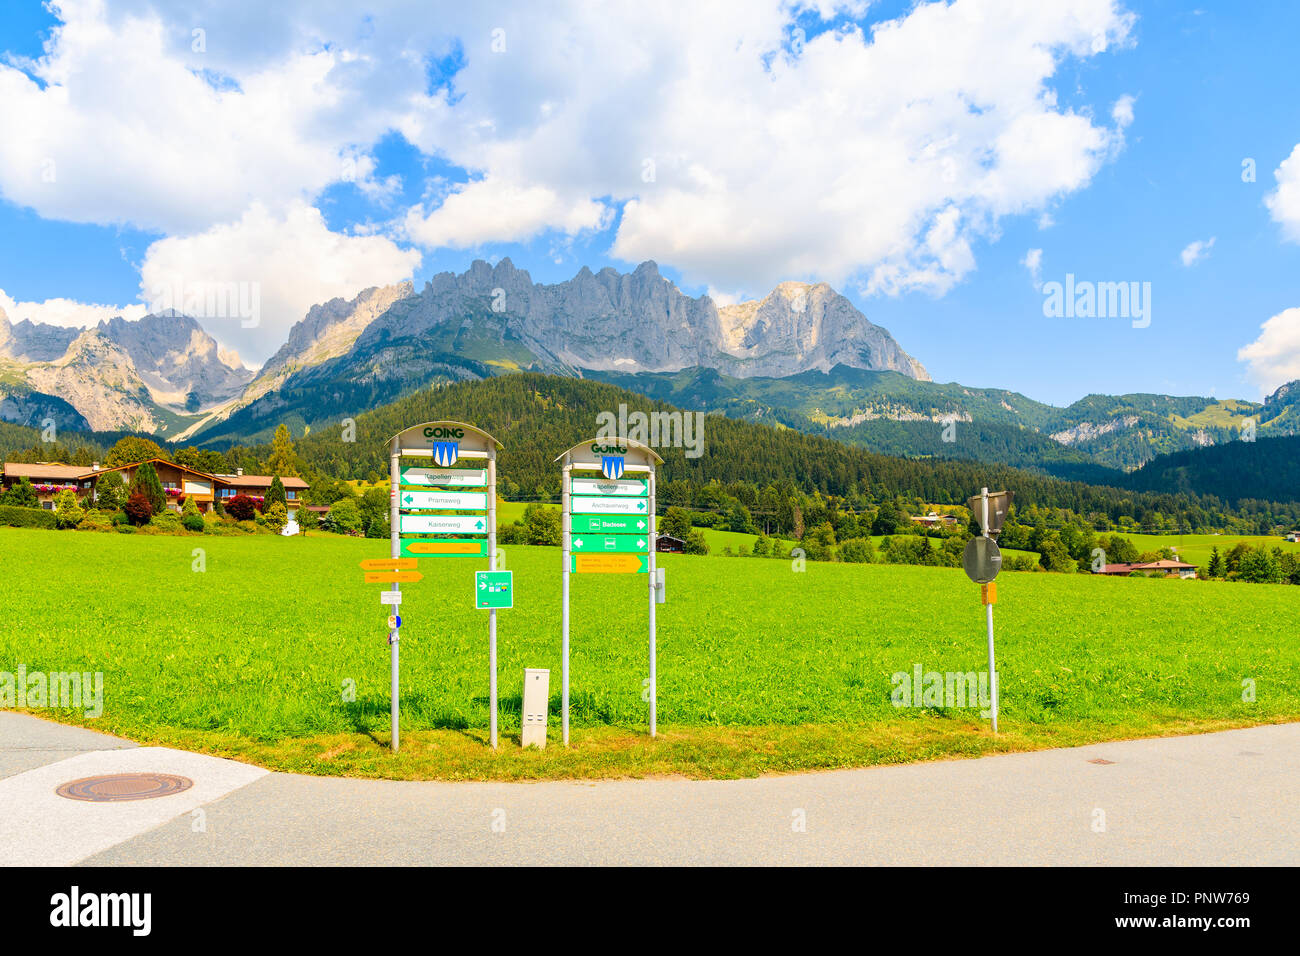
x=22, y=469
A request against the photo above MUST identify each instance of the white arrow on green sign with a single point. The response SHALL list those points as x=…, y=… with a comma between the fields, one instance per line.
x=626, y=524
x=460, y=500
x=442, y=524
x=588, y=504
x=631, y=487
x=450, y=477
x=611, y=543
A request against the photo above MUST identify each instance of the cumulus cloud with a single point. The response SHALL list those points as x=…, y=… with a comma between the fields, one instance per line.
x=1274, y=358
x=1033, y=261
x=248, y=281
x=1284, y=202
x=1196, y=250
x=722, y=140
x=65, y=312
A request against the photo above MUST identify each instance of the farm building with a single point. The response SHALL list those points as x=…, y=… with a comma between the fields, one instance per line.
x=178, y=482
x=1171, y=569
x=670, y=545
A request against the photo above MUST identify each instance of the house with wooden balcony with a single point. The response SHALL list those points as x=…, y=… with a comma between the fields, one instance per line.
x=179, y=483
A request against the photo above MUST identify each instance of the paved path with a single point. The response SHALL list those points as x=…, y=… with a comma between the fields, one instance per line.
x=1212, y=799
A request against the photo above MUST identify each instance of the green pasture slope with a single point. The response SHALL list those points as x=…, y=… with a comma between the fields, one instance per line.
x=760, y=668
x=1196, y=548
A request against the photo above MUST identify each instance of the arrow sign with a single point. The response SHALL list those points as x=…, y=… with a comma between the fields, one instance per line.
x=459, y=500
x=393, y=577
x=583, y=504
x=610, y=543
x=625, y=524
x=634, y=487
x=389, y=564
x=442, y=524
x=433, y=547
x=449, y=477
x=610, y=563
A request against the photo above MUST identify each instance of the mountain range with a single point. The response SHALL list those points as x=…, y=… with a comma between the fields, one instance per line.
x=803, y=357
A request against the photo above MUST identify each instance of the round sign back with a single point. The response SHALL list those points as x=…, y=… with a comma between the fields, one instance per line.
x=982, y=560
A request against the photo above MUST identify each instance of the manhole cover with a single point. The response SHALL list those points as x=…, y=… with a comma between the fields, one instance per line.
x=1101, y=760
x=118, y=787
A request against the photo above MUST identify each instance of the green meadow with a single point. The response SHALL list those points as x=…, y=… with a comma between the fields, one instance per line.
x=1196, y=548
x=273, y=650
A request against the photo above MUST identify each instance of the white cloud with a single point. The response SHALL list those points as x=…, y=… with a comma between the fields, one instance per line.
x=276, y=264
x=734, y=155
x=1284, y=202
x=1197, y=250
x=1274, y=357
x=1033, y=261
x=65, y=312
x=1122, y=111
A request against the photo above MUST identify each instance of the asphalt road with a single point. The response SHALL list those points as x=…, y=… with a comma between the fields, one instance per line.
x=1213, y=799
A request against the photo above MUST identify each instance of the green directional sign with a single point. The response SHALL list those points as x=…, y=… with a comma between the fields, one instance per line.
x=627, y=487
x=616, y=524
x=610, y=543
x=494, y=589
x=592, y=505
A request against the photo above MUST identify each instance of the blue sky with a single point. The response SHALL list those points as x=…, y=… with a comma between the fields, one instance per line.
x=526, y=163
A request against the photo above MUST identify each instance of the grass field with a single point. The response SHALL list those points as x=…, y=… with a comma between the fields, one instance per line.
x=760, y=669
x=1196, y=548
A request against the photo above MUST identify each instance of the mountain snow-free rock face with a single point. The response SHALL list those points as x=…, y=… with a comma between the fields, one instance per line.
x=326, y=332
x=801, y=327
x=120, y=374
x=26, y=341
x=640, y=321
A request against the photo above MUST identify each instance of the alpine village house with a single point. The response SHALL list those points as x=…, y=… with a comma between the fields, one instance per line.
x=179, y=483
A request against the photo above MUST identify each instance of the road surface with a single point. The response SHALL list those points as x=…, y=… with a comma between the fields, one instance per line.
x=1220, y=799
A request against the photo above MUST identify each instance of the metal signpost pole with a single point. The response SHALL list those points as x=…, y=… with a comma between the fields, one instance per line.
x=988, y=612
x=492, y=566
x=650, y=518
x=395, y=477
x=566, y=528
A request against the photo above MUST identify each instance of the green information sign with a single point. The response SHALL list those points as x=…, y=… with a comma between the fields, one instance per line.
x=611, y=543
x=494, y=589
x=625, y=524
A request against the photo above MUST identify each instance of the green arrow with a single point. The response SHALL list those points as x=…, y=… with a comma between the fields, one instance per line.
x=641, y=505
x=478, y=524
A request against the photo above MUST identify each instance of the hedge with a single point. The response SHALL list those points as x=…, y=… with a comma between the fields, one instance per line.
x=18, y=517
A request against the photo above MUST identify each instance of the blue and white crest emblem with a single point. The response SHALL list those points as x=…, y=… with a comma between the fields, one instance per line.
x=611, y=466
x=445, y=453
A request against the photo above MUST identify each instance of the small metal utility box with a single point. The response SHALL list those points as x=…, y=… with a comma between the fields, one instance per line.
x=537, y=696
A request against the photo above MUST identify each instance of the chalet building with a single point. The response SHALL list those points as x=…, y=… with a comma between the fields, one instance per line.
x=933, y=520
x=670, y=545
x=1170, y=569
x=179, y=483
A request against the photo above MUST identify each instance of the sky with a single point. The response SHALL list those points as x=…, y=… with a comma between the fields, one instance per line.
x=950, y=167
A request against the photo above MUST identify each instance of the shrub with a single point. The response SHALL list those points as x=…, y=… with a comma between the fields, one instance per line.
x=147, y=484
x=96, y=520
x=378, y=527
x=21, y=517
x=193, y=522
x=138, y=509
x=277, y=516
x=110, y=491
x=344, y=517
x=276, y=493
x=126, y=529
x=241, y=508
x=542, y=525
x=857, y=551
x=21, y=495
x=696, y=543
x=307, y=519
x=67, y=510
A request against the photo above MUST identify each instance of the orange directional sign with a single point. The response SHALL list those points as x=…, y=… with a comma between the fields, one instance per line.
x=610, y=563
x=476, y=547
x=392, y=577
x=389, y=564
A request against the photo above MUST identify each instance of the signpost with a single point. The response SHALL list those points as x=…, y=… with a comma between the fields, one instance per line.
x=982, y=561
x=417, y=491
x=608, y=526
